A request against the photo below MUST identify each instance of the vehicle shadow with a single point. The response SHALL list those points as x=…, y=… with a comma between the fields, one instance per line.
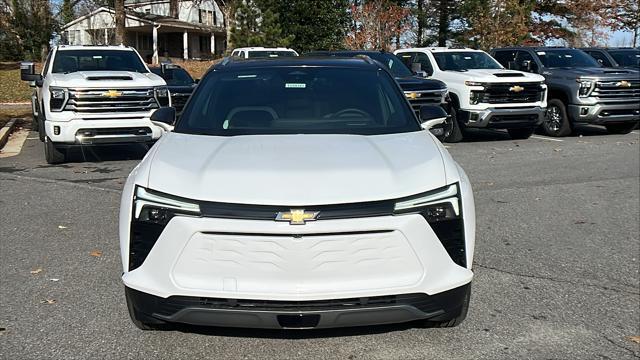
x=292, y=334
x=103, y=153
x=479, y=135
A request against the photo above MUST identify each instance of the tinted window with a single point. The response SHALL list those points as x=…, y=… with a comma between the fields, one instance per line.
x=556, y=58
x=174, y=77
x=417, y=61
x=297, y=100
x=67, y=61
x=524, y=56
x=505, y=57
x=600, y=57
x=270, y=54
x=463, y=60
x=393, y=63
x=626, y=57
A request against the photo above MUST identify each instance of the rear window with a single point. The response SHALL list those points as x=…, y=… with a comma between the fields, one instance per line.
x=68, y=61
x=297, y=100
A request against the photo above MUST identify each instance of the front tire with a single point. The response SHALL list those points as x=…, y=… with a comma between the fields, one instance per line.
x=623, y=128
x=140, y=320
x=52, y=154
x=520, y=134
x=556, y=121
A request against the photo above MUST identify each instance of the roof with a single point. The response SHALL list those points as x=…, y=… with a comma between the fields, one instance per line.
x=260, y=48
x=441, y=49
x=94, y=47
x=234, y=64
x=536, y=48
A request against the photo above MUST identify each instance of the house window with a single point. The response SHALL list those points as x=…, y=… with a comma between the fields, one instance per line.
x=206, y=17
x=147, y=11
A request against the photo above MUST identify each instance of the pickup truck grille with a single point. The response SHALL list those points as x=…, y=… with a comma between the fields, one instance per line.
x=617, y=91
x=508, y=93
x=110, y=100
x=178, y=100
x=427, y=97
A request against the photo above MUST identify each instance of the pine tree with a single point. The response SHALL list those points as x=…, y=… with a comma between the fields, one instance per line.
x=67, y=13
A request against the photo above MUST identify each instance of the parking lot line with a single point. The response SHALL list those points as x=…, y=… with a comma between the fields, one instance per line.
x=545, y=138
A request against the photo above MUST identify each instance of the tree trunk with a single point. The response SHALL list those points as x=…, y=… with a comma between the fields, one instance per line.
x=173, y=8
x=420, y=24
x=120, y=23
x=443, y=22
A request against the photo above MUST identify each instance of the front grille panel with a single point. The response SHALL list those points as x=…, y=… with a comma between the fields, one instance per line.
x=424, y=98
x=617, y=91
x=108, y=100
x=179, y=100
x=510, y=93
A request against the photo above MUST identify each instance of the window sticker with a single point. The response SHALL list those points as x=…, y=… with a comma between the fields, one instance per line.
x=467, y=57
x=295, y=86
x=246, y=76
x=568, y=55
x=97, y=56
x=541, y=53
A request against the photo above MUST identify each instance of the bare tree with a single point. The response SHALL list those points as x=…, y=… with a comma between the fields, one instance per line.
x=121, y=37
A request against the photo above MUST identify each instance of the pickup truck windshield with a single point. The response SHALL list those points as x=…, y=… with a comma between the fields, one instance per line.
x=393, y=63
x=68, y=61
x=174, y=77
x=629, y=57
x=566, y=58
x=270, y=54
x=465, y=60
x=297, y=100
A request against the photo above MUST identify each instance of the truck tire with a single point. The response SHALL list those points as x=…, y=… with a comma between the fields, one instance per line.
x=41, y=132
x=52, y=154
x=142, y=321
x=521, y=134
x=622, y=128
x=452, y=129
x=556, y=121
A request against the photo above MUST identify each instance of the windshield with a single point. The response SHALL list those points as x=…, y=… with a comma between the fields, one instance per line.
x=626, y=57
x=393, y=63
x=568, y=58
x=465, y=60
x=297, y=100
x=174, y=77
x=68, y=61
x=270, y=54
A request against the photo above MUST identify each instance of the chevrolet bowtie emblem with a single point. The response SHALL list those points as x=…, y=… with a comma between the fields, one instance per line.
x=112, y=94
x=516, y=88
x=412, y=95
x=623, y=83
x=297, y=216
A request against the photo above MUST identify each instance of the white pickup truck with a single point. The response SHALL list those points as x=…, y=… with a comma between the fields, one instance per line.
x=483, y=92
x=90, y=95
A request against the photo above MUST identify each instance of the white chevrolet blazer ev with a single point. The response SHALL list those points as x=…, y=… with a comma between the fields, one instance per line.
x=297, y=193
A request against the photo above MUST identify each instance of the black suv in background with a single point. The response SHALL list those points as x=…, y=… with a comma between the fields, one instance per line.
x=418, y=90
x=616, y=57
x=179, y=82
x=580, y=89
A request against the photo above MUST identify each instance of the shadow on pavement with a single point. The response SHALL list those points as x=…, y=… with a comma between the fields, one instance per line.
x=106, y=153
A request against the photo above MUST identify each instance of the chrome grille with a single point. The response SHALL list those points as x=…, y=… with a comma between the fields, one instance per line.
x=429, y=97
x=178, y=100
x=617, y=91
x=121, y=100
x=508, y=93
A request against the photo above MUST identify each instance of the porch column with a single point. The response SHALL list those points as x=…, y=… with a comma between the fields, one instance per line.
x=185, y=45
x=213, y=44
x=106, y=37
x=155, y=46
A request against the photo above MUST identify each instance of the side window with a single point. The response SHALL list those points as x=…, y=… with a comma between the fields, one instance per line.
x=600, y=57
x=407, y=58
x=523, y=58
x=506, y=58
x=425, y=64
x=47, y=62
x=242, y=54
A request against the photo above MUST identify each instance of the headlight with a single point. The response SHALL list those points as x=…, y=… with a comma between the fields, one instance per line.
x=437, y=205
x=473, y=83
x=162, y=95
x=159, y=208
x=586, y=86
x=58, y=98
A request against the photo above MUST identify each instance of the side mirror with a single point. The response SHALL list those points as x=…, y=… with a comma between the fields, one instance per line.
x=421, y=74
x=197, y=81
x=600, y=61
x=431, y=115
x=28, y=73
x=165, y=117
x=526, y=65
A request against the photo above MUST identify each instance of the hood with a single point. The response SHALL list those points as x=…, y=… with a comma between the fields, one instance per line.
x=296, y=170
x=495, y=75
x=182, y=89
x=414, y=83
x=591, y=72
x=107, y=79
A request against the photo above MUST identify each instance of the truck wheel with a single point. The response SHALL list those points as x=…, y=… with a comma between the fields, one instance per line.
x=52, y=154
x=35, y=125
x=521, y=134
x=556, y=120
x=40, y=128
x=452, y=130
x=623, y=128
x=142, y=321
x=453, y=321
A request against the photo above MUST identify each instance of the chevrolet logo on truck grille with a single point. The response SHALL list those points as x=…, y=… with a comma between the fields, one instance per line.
x=297, y=216
x=623, y=83
x=516, y=88
x=112, y=94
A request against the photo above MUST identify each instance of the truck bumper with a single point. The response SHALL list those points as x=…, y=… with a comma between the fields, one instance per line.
x=601, y=114
x=102, y=131
x=503, y=118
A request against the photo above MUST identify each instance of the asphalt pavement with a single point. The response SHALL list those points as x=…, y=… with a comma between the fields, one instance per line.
x=557, y=271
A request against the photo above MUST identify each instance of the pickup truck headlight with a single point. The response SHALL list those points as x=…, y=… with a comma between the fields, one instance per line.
x=442, y=210
x=586, y=87
x=162, y=95
x=58, y=97
x=473, y=83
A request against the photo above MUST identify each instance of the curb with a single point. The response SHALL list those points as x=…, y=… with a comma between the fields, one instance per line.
x=6, y=131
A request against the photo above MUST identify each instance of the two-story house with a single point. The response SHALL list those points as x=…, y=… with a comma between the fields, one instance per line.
x=197, y=32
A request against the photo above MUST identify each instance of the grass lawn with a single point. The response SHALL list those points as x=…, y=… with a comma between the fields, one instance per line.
x=12, y=89
x=15, y=111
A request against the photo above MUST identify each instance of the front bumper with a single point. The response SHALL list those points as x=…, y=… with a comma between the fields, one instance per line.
x=600, y=114
x=301, y=314
x=503, y=118
x=103, y=131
